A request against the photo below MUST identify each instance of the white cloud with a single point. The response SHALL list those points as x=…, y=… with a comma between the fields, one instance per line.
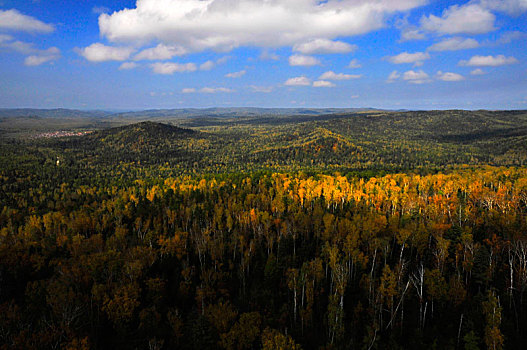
x=418, y=77
x=405, y=57
x=235, y=75
x=448, y=76
x=172, y=67
x=298, y=81
x=128, y=65
x=5, y=38
x=209, y=90
x=223, y=59
x=408, y=31
x=508, y=37
x=266, y=55
x=37, y=60
x=354, y=63
x=323, y=83
x=330, y=75
x=412, y=34
x=160, y=52
x=321, y=46
x=471, y=18
x=208, y=65
x=454, y=44
x=263, y=89
x=511, y=7
x=36, y=56
x=393, y=76
x=222, y=25
x=51, y=54
x=488, y=61
x=8, y=42
x=14, y=20
x=302, y=60
x=477, y=71
x=99, y=53
x=188, y=90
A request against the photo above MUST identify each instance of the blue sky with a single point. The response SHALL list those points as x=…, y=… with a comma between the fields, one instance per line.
x=413, y=54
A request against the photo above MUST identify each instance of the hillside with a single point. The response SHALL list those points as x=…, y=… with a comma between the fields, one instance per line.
x=349, y=142
x=142, y=132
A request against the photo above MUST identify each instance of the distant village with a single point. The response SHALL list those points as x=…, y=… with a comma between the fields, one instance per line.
x=61, y=133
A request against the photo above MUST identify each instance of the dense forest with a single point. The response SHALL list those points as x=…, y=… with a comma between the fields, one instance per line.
x=366, y=230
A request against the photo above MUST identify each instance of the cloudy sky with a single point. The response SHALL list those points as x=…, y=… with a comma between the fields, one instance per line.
x=135, y=54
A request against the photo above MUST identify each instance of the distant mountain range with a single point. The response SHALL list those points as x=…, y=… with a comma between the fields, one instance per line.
x=175, y=113
x=50, y=113
x=236, y=112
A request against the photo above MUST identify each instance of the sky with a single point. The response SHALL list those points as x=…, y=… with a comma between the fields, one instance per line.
x=146, y=54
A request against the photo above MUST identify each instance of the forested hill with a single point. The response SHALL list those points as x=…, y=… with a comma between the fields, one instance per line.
x=148, y=131
x=346, y=142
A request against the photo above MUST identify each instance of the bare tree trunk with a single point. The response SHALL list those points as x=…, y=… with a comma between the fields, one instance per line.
x=459, y=330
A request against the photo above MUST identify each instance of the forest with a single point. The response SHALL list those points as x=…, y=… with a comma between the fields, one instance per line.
x=349, y=230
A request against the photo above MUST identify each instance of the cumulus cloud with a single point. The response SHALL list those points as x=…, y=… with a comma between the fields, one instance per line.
x=393, y=76
x=302, y=60
x=321, y=46
x=266, y=55
x=235, y=75
x=206, y=90
x=354, y=63
x=169, y=68
x=330, y=75
x=477, y=71
x=323, y=83
x=416, y=77
x=208, y=65
x=412, y=34
x=409, y=32
x=223, y=25
x=511, y=7
x=471, y=18
x=454, y=44
x=9, y=43
x=43, y=56
x=209, y=90
x=488, y=61
x=416, y=58
x=448, y=76
x=36, y=56
x=298, y=81
x=14, y=20
x=128, y=65
x=99, y=53
x=37, y=60
x=5, y=38
x=508, y=37
x=160, y=52
x=263, y=89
